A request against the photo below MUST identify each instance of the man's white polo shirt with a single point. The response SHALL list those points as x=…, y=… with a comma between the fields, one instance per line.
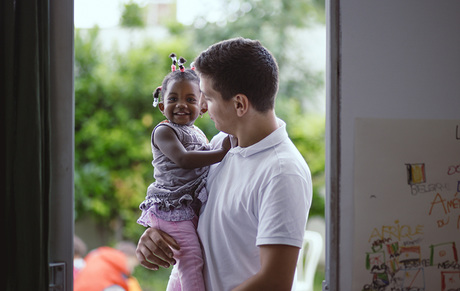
x=258, y=195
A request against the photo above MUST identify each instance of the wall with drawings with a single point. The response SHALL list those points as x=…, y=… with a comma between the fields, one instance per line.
x=406, y=205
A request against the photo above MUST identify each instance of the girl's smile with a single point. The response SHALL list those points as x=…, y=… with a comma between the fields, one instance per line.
x=181, y=102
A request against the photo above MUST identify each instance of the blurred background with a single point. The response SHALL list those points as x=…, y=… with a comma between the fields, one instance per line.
x=121, y=56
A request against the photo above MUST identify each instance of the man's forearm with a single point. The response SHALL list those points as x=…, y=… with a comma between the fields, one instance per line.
x=278, y=264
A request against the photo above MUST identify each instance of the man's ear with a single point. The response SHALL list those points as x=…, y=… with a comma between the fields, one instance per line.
x=241, y=104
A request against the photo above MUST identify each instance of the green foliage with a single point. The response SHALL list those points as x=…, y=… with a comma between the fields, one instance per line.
x=176, y=28
x=279, y=25
x=152, y=280
x=132, y=16
x=114, y=117
x=307, y=133
x=113, y=122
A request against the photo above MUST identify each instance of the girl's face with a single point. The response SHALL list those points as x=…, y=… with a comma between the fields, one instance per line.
x=181, y=102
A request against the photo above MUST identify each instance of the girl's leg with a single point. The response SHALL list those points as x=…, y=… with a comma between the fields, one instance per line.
x=174, y=280
x=187, y=274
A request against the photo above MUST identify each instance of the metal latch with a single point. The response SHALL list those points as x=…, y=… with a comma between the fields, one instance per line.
x=57, y=276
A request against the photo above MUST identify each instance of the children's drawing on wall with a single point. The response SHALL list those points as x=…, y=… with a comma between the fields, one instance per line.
x=416, y=174
x=407, y=205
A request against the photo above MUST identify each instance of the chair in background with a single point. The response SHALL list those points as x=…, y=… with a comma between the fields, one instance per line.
x=308, y=260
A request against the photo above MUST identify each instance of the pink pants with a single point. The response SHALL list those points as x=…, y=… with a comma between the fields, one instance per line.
x=187, y=274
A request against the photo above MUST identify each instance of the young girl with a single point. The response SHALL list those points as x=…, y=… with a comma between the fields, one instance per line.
x=181, y=159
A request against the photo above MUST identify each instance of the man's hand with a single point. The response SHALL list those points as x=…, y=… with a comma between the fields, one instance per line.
x=155, y=249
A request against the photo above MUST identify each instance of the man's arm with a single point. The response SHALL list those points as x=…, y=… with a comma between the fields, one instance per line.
x=278, y=264
x=154, y=249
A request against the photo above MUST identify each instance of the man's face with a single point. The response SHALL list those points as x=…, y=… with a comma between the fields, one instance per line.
x=221, y=112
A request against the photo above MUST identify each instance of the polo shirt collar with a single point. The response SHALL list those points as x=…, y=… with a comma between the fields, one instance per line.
x=269, y=141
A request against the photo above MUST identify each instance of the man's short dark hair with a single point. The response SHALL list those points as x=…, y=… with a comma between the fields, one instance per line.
x=241, y=66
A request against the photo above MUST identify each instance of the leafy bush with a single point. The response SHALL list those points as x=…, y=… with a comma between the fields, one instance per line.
x=114, y=117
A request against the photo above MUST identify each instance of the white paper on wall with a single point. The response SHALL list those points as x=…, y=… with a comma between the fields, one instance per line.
x=407, y=205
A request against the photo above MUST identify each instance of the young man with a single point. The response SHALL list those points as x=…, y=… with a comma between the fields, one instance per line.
x=253, y=223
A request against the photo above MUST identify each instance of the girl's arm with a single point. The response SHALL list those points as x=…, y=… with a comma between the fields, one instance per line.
x=166, y=140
